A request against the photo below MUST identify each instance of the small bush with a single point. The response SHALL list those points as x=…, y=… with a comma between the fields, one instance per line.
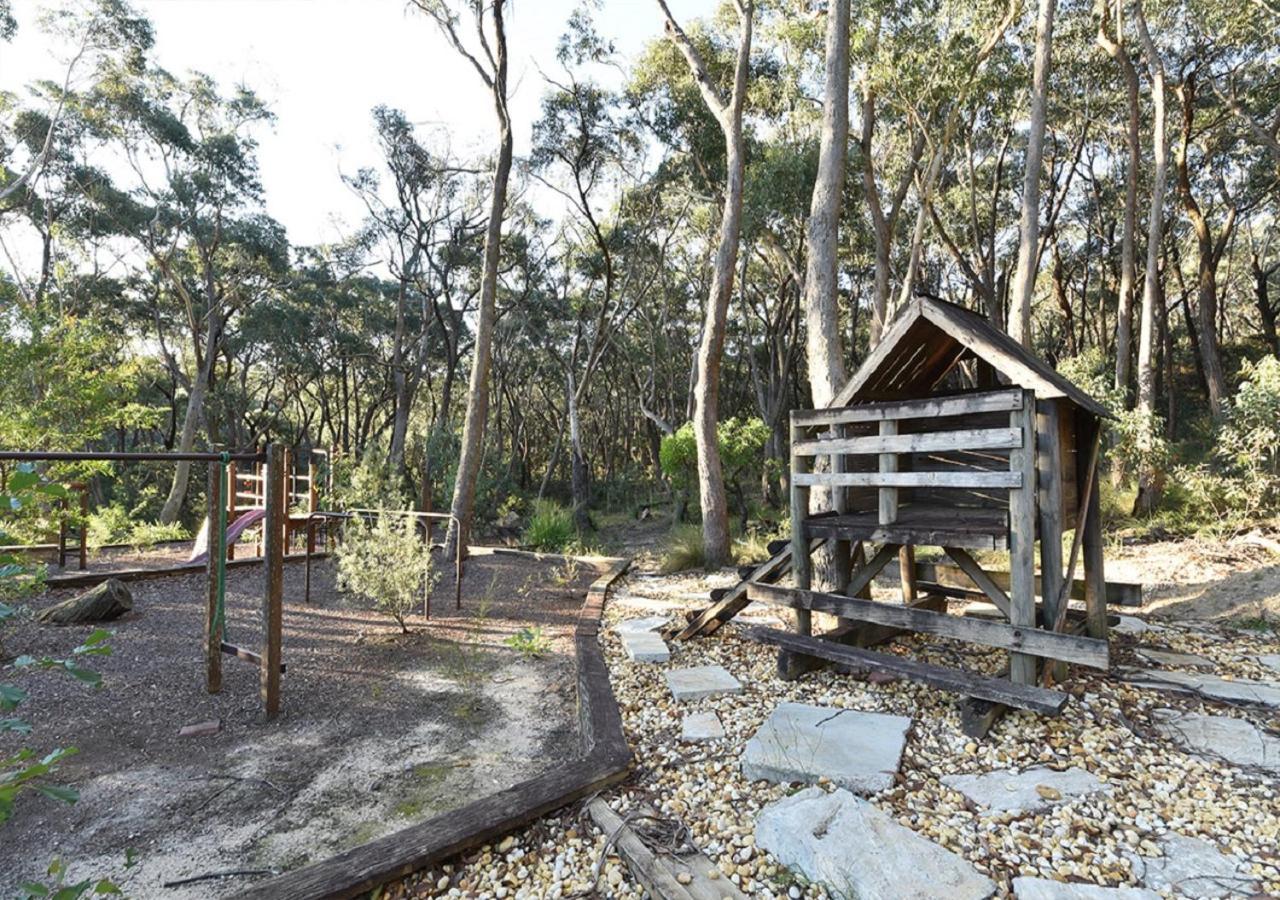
x=388, y=563
x=550, y=528
x=530, y=642
x=148, y=534
x=684, y=550
x=109, y=525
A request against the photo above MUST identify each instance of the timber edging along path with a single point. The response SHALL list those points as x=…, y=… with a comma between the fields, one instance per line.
x=90, y=579
x=605, y=760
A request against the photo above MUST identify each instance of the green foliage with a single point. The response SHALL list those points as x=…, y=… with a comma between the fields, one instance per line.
x=368, y=484
x=684, y=550
x=530, y=642
x=550, y=528
x=387, y=562
x=741, y=442
x=1249, y=443
x=58, y=889
x=148, y=534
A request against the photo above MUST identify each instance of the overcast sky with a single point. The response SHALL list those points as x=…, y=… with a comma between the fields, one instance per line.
x=322, y=65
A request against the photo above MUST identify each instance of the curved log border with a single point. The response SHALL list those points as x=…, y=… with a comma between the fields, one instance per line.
x=605, y=760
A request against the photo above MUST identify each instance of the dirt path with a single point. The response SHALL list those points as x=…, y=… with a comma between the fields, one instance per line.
x=379, y=730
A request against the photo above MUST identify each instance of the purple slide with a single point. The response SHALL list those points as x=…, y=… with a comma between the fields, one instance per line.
x=200, y=552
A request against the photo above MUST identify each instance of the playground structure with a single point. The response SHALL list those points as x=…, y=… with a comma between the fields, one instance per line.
x=274, y=514
x=949, y=435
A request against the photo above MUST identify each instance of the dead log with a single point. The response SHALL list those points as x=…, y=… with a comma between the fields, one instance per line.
x=102, y=603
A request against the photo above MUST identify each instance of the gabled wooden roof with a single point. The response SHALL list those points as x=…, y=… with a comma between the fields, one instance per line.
x=929, y=337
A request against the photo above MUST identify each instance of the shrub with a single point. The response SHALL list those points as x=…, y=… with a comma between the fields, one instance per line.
x=530, y=642
x=550, y=527
x=741, y=443
x=684, y=550
x=148, y=534
x=1249, y=443
x=108, y=525
x=387, y=562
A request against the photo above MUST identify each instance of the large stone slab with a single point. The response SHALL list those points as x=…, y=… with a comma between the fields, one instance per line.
x=1215, y=687
x=860, y=852
x=701, y=726
x=1270, y=660
x=702, y=681
x=1025, y=888
x=1194, y=868
x=1159, y=657
x=1027, y=791
x=1238, y=741
x=646, y=647
x=858, y=751
x=1134, y=625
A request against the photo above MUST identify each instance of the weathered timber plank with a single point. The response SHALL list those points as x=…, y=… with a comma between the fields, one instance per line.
x=1028, y=640
x=906, y=532
x=928, y=408
x=1030, y=697
x=1050, y=509
x=1022, y=537
x=921, y=442
x=660, y=872
x=951, y=479
x=245, y=654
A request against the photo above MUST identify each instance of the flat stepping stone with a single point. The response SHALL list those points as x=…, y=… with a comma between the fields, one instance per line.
x=858, y=851
x=647, y=625
x=701, y=682
x=1270, y=660
x=1027, y=791
x=1159, y=657
x=858, y=751
x=1134, y=625
x=1238, y=690
x=1025, y=888
x=1192, y=867
x=645, y=647
x=1238, y=741
x=701, y=726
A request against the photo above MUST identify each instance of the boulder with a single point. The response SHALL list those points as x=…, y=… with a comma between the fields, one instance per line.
x=101, y=603
x=858, y=851
x=859, y=751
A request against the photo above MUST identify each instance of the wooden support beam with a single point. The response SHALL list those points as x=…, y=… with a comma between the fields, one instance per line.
x=971, y=480
x=919, y=442
x=217, y=551
x=1089, y=530
x=980, y=578
x=1022, y=536
x=1030, y=641
x=246, y=654
x=1051, y=511
x=1036, y=699
x=801, y=574
x=852, y=634
x=860, y=580
x=273, y=537
x=945, y=575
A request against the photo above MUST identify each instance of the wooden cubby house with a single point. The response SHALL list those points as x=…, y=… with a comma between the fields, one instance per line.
x=950, y=435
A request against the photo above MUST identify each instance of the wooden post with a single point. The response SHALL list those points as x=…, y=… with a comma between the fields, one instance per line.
x=1022, y=535
x=273, y=587
x=907, y=567
x=230, y=498
x=84, y=528
x=800, y=569
x=888, y=463
x=841, y=550
x=1095, y=582
x=1049, y=498
x=62, y=534
x=217, y=545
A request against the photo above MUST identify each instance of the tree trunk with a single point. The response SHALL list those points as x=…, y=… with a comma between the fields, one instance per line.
x=1262, y=299
x=472, y=450
x=1150, y=483
x=577, y=461
x=1124, y=313
x=191, y=422
x=1024, y=279
x=822, y=237
x=706, y=395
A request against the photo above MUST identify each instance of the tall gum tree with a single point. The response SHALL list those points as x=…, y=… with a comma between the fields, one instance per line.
x=490, y=63
x=706, y=394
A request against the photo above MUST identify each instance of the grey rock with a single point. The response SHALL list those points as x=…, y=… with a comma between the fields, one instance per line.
x=1046, y=889
x=702, y=681
x=1032, y=789
x=858, y=851
x=647, y=625
x=1134, y=625
x=645, y=646
x=1239, y=690
x=1270, y=660
x=1194, y=868
x=1158, y=657
x=1237, y=741
x=858, y=751
x=701, y=726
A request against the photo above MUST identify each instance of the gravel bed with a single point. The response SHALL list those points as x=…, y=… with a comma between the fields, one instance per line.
x=1155, y=788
